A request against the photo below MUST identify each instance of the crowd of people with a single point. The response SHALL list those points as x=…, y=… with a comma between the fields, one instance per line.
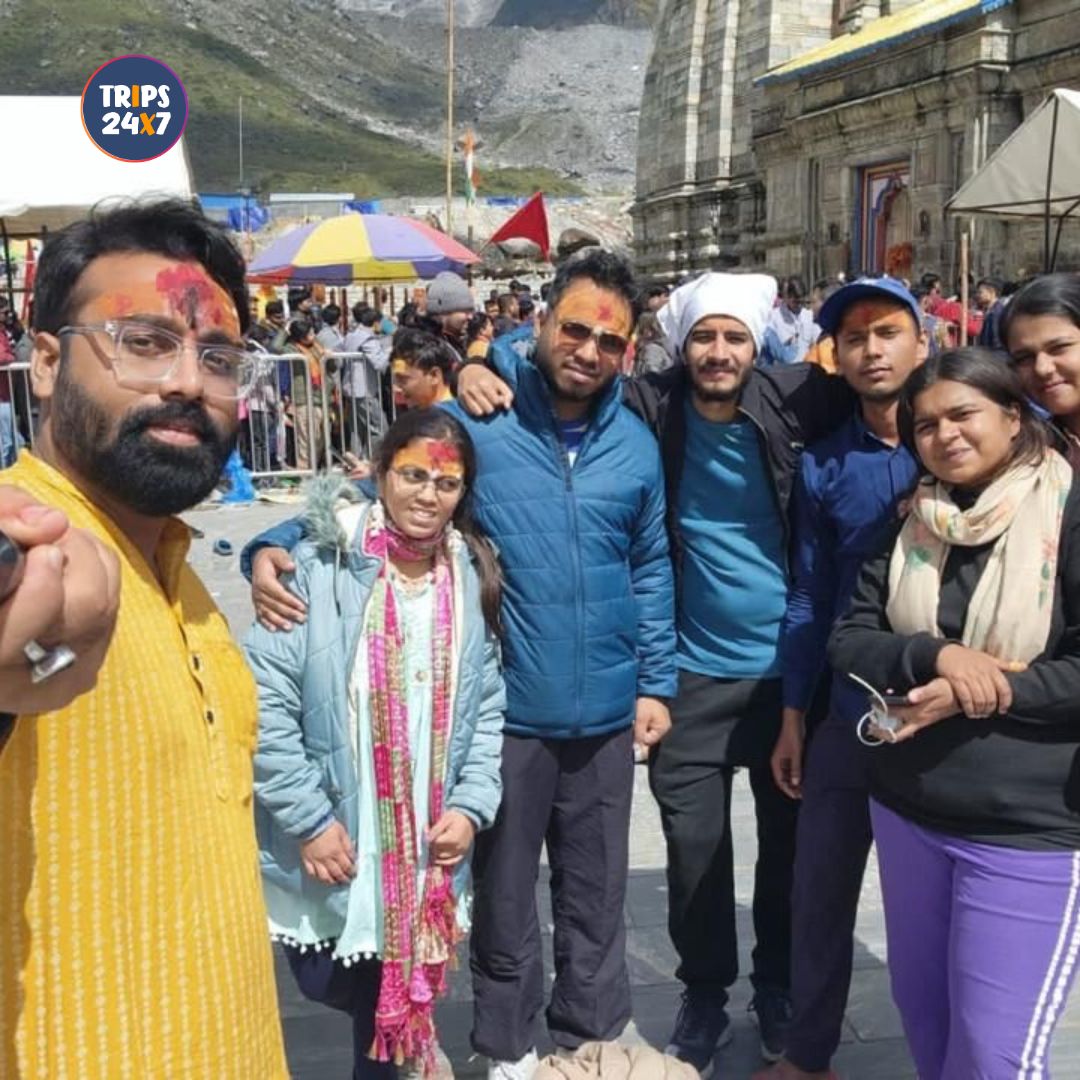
x=351, y=370
x=861, y=587
x=346, y=373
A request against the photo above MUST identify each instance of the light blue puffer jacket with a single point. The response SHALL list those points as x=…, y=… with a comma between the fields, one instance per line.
x=304, y=766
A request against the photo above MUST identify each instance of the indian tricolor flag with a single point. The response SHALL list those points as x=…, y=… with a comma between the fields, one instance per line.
x=471, y=177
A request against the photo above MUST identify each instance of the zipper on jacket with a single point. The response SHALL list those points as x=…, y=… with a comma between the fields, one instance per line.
x=579, y=599
x=784, y=530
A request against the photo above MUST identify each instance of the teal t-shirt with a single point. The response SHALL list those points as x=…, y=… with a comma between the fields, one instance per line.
x=733, y=588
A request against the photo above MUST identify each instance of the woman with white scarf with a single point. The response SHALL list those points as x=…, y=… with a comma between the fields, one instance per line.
x=971, y=619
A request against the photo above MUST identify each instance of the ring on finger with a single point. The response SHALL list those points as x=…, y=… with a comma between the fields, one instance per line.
x=45, y=663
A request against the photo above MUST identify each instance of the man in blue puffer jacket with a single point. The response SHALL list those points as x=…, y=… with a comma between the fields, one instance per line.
x=570, y=489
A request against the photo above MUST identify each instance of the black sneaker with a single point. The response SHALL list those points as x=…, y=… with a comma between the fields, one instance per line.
x=773, y=1009
x=701, y=1028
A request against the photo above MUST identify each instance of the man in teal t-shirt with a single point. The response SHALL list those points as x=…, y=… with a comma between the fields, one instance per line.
x=727, y=491
x=734, y=587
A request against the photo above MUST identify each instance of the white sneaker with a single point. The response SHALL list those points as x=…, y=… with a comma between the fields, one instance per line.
x=522, y=1069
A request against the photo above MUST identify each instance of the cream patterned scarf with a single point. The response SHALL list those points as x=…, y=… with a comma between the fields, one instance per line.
x=1020, y=513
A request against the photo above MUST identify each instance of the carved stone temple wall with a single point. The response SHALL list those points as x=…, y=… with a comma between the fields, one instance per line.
x=818, y=136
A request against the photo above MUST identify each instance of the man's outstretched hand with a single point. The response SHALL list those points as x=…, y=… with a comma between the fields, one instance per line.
x=68, y=594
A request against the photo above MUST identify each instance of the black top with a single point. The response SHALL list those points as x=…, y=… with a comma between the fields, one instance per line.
x=1012, y=780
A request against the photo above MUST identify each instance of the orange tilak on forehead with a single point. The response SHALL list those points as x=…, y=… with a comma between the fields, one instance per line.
x=586, y=303
x=115, y=305
x=866, y=313
x=435, y=456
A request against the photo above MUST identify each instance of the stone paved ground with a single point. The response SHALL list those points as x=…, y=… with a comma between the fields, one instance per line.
x=318, y=1040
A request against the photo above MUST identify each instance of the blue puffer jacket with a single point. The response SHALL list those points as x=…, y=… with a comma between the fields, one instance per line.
x=588, y=601
x=304, y=763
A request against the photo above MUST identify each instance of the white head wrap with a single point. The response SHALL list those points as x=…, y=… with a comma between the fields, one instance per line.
x=749, y=298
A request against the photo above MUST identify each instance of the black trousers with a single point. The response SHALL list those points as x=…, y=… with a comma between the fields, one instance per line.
x=574, y=795
x=353, y=990
x=833, y=843
x=718, y=724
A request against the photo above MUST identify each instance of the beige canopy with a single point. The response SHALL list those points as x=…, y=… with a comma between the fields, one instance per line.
x=1035, y=173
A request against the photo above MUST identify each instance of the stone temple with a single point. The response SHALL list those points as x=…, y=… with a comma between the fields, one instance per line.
x=820, y=136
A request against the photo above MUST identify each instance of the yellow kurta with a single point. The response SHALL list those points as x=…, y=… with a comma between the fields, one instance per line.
x=133, y=937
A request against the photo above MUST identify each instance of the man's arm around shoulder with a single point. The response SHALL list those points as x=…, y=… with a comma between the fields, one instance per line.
x=818, y=401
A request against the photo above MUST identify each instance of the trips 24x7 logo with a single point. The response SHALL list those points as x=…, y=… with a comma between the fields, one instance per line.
x=134, y=108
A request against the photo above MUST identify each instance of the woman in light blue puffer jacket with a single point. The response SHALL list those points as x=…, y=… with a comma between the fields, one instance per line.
x=380, y=736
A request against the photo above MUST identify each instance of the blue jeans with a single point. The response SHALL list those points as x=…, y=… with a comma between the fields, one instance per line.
x=10, y=440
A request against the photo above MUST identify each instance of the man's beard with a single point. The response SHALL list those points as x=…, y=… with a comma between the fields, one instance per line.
x=703, y=393
x=150, y=477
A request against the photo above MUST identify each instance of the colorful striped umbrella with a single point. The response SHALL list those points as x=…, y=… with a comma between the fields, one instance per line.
x=359, y=247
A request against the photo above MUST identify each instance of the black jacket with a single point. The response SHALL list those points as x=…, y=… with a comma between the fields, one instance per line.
x=1012, y=780
x=790, y=406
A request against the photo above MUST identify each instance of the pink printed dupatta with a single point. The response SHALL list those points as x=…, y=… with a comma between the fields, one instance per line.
x=419, y=932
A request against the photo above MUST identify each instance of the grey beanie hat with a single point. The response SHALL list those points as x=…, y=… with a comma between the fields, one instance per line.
x=449, y=292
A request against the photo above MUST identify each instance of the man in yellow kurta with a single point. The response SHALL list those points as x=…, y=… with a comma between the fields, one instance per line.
x=132, y=928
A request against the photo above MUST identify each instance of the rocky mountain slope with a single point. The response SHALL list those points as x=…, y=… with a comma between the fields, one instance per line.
x=350, y=94
x=563, y=13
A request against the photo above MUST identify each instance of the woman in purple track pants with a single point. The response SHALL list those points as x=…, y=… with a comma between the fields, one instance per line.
x=970, y=618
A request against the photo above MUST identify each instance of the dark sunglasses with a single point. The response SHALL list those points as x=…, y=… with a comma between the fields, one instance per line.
x=607, y=343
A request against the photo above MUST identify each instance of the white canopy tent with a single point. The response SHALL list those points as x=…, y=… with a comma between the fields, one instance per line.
x=1035, y=173
x=54, y=172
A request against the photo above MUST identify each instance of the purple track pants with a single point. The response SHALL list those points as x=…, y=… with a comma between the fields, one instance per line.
x=983, y=944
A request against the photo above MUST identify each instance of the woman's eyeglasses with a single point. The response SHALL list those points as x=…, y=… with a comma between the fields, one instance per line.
x=608, y=344
x=413, y=477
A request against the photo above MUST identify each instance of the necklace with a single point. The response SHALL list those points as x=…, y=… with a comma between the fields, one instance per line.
x=411, y=586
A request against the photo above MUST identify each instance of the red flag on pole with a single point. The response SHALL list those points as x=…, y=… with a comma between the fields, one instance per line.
x=529, y=223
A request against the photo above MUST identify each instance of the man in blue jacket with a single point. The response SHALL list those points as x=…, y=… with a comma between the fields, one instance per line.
x=571, y=490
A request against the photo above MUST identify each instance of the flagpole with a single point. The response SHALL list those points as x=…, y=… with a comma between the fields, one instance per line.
x=469, y=147
x=240, y=132
x=449, y=117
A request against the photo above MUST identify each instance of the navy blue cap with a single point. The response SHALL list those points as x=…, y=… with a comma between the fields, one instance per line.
x=883, y=288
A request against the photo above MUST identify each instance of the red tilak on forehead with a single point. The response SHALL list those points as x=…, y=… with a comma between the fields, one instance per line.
x=605, y=312
x=191, y=293
x=443, y=453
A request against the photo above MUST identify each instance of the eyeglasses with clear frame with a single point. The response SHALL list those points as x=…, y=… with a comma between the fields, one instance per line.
x=143, y=353
x=412, y=477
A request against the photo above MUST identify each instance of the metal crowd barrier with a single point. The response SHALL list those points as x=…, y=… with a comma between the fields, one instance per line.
x=295, y=423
